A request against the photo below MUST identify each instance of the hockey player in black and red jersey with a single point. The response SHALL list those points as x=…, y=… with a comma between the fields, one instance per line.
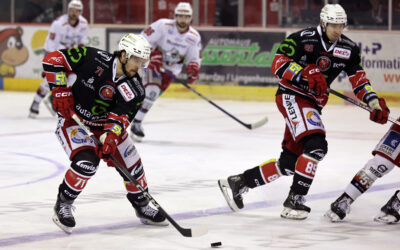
x=386, y=156
x=306, y=63
x=106, y=95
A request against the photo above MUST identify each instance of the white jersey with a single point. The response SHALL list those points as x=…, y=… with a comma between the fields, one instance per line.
x=63, y=36
x=176, y=47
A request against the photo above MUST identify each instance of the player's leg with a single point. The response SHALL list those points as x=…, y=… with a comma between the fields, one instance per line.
x=84, y=164
x=315, y=148
x=39, y=95
x=375, y=168
x=153, y=86
x=129, y=156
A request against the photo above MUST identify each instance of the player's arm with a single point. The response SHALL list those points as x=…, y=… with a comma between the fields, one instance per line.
x=363, y=90
x=193, y=60
x=83, y=39
x=53, y=38
x=153, y=33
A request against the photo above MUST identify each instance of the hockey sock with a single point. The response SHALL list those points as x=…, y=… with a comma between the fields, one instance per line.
x=306, y=167
x=262, y=174
x=140, y=176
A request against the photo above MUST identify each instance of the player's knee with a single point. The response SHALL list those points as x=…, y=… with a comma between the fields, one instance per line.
x=85, y=162
x=377, y=167
x=315, y=146
x=287, y=162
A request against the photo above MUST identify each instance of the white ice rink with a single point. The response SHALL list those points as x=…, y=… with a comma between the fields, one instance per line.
x=189, y=145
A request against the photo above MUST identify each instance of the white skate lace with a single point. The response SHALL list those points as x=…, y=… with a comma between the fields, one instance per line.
x=149, y=211
x=66, y=210
x=299, y=199
x=242, y=191
x=344, y=205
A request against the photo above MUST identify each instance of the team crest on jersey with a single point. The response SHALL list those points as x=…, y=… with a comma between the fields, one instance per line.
x=79, y=136
x=323, y=63
x=107, y=92
x=341, y=53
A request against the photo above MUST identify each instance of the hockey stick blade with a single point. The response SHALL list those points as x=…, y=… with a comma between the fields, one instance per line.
x=359, y=104
x=247, y=125
x=187, y=232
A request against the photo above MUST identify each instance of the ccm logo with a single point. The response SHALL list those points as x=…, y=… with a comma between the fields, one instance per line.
x=64, y=94
x=126, y=92
x=341, y=53
x=313, y=71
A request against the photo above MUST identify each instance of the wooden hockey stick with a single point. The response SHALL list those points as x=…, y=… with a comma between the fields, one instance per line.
x=359, y=104
x=187, y=232
x=247, y=125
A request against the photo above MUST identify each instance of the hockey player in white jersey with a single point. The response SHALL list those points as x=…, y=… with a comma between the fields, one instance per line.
x=386, y=156
x=67, y=31
x=174, y=44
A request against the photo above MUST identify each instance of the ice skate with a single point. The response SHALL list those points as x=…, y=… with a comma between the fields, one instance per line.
x=63, y=217
x=237, y=186
x=390, y=211
x=137, y=131
x=34, y=110
x=294, y=207
x=340, y=208
x=147, y=214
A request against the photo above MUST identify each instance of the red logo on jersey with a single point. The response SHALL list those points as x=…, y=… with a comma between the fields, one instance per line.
x=99, y=71
x=148, y=31
x=323, y=63
x=107, y=92
x=309, y=47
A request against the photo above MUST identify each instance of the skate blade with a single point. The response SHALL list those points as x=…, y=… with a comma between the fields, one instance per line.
x=224, y=185
x=331, y=216
x=66, y=229
x=385, y=219
x=292, y=214
x=32, y=115
x=163, y=223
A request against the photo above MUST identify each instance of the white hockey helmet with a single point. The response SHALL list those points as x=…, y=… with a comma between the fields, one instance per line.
x=75, y=4
x=183, y=8
x=333, y=13
x=135, y=45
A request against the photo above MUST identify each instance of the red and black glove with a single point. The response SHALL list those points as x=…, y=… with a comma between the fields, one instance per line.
x=155, y=61
x=192, y=70
x=316, y=80
x=63, y=101
x=110, y=142
x=380, y=112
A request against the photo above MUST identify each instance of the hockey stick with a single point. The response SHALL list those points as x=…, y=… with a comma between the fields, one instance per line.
x=359, y=104
x=247, y=125
x=187, y=232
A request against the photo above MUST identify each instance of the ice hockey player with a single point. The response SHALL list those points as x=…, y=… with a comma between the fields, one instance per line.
x=174, y=43
x=67, y=31
x=386, y=156
x=306, y=63
x=106, y=95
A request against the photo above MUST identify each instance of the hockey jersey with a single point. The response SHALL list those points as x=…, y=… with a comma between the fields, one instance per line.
x=307, y=46
x=176, y=47
x=64, y=36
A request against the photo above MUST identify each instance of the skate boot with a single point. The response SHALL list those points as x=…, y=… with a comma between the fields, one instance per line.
x=294, y=207
x=137, y=131
x=237, y=186
x=390, y=211
x=63, y=214
x=340, y=208
x=147, y=214
x=34, y=110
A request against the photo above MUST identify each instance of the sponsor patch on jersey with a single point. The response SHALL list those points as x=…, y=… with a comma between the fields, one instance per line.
x=307, y=33
x=107, y=92
x=341, y=53
x=126, y=92
x=313, y=119
x=323, y=63
x=391, y=143
x=79, y=136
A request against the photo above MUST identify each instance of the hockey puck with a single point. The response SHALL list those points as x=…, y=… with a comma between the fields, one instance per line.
x=216, y=244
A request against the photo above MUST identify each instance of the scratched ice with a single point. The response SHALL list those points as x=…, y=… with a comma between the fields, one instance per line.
x=188, y=146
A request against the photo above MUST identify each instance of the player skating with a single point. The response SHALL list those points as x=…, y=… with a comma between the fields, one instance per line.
x=174, y=44
x=386, y=156
x=67, y=31
x=105, y=95
x=306, y=63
